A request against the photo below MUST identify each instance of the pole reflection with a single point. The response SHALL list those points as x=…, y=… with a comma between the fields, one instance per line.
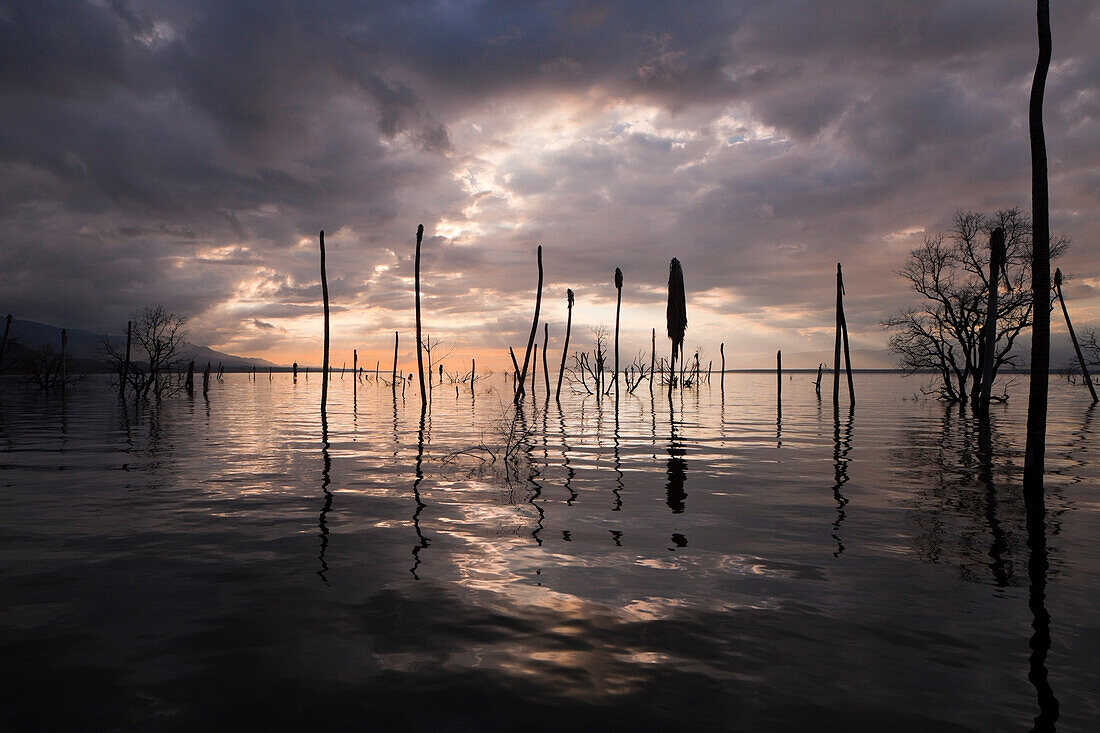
x=326, y=479
x=842, y=445
x=1037, y=566
x=421, y=541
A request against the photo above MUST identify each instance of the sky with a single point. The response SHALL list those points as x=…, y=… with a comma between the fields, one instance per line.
x=187, y=152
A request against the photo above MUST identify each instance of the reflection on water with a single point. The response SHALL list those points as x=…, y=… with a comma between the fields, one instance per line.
x=160, y=563
x=842, y=445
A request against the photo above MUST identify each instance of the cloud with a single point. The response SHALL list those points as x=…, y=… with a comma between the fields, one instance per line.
x=189, y=152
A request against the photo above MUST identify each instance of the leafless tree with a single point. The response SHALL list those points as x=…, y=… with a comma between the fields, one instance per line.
x=42, y=368
x=943, y=334
x=155, y=368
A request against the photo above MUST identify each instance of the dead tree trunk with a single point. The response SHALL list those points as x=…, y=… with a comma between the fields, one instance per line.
x=520, y=390
x=393, y=375
x=64, y=344
x=419, y=333
x=126, y=364
x=618, y=308
x=545, y=368
x=206, y=380
x=324, y=295
x=190, y=384
x=1073, y=335
x=779, y=374
x=988, y=352
x=565, y=348
x=652, y=357
x=841, y=337
x=1035, y=450
x=4, y=343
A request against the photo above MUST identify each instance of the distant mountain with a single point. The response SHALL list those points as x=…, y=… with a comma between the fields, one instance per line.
x=86, y=350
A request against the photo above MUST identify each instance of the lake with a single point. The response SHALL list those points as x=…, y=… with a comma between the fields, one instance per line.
x=713, y=563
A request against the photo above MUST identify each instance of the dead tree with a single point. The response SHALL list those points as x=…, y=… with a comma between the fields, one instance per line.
x=1073, y=335
x=324, y=296
x=987, y=355
x=779, y=374
x=618, y=307
x=393, y=375
x=419, y=333
x=520, y=390
x=64, y=345
x=545, y=368
x=1035, y=448
x=841, y=335
x=565, y=348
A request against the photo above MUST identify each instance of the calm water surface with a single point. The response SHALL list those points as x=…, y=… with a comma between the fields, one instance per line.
x=713, y=564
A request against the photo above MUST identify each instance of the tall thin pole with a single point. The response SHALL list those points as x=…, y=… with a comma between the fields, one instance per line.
x=520, y=391
x=1035, y=449
x=126, y=364
x=4, y=343
x=419, y=333
x=565, y=348
x=618, y=307
x=324, y=295
x=64, y=343
x=779, y=374
x=836, y=342
x=393, y=375
x=1073, y=335
x=989, y=342
x=545, y=368
x=652, y=357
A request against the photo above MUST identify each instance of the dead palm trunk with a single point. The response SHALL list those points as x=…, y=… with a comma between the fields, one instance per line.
x=520, y=391
x=1035, y=450
x=989, y=341
x=419, y=334
x=675, y=315
x=618, y=307
x=1073, y=335
x=565, y=348
x=324, y=295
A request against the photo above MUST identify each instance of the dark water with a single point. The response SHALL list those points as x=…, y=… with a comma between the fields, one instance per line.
x=218, y=565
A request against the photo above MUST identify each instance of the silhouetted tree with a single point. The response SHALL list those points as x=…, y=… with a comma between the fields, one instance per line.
x=44, y=367
x=159, y=335
x=6, y=346
x=944, y=334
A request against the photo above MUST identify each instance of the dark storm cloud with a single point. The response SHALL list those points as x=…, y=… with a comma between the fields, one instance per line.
x=188, y=151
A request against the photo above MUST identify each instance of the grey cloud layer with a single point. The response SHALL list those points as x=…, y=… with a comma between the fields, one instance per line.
x=183, y=151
